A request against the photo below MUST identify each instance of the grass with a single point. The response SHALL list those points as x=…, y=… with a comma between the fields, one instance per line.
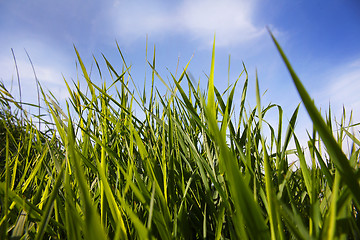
x=193, y=168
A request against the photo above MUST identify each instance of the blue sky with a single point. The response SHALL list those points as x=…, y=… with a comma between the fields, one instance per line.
x=321, y=39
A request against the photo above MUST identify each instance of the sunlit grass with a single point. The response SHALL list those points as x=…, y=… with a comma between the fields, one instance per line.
x=193, y=168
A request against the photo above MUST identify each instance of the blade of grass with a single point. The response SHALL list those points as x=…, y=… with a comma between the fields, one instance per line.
x=334, y=150
x=275, y=226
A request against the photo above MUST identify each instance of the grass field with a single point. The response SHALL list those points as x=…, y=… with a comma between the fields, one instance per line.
x=192, y=169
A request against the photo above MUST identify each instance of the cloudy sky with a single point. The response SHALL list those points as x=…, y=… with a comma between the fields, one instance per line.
x=321, y=39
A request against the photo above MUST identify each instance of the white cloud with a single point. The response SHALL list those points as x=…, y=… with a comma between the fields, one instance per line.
x=49, y=63
x=231, y=20
x=342, y=88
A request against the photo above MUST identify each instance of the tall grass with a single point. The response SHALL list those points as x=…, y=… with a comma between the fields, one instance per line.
x=191, y=168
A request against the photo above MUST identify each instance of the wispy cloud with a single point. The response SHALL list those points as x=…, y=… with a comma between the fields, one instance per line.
x=342, y=88
x=233, y=21
x=49, y=63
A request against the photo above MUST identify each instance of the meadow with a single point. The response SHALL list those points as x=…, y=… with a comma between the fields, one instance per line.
x=192, y=168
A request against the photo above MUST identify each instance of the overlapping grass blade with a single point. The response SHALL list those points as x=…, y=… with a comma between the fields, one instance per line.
x=334, y=150
x=193, y=166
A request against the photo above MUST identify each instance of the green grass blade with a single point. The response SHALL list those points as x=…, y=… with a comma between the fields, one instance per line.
x=93, y=227
x=49, y=205
x=211, y=94
x=304, y=168
x=275, y=226
x=330, y=227
x=334, y=150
